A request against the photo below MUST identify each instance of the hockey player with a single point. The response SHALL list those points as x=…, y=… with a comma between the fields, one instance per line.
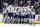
x=20, y=12
x=15, y=6
x=28, y=12
x=36, y=6
x=33, y=14
x=4, y=12
x=23, y=15
x=5, y=4
x=10, y=10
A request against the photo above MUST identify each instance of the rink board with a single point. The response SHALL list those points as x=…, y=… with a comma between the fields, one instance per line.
x=36, y=20
x=1, y=18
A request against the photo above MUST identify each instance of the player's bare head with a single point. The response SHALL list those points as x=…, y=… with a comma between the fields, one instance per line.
x=14, y=2
x=20, y=3
x=29, y=3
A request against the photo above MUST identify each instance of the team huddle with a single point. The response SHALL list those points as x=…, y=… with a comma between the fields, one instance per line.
x=19, y=13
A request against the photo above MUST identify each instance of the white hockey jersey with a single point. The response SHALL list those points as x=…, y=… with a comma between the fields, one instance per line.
x=18, y=10
x=10, y=9
x=6, y=4
x=5, y=10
